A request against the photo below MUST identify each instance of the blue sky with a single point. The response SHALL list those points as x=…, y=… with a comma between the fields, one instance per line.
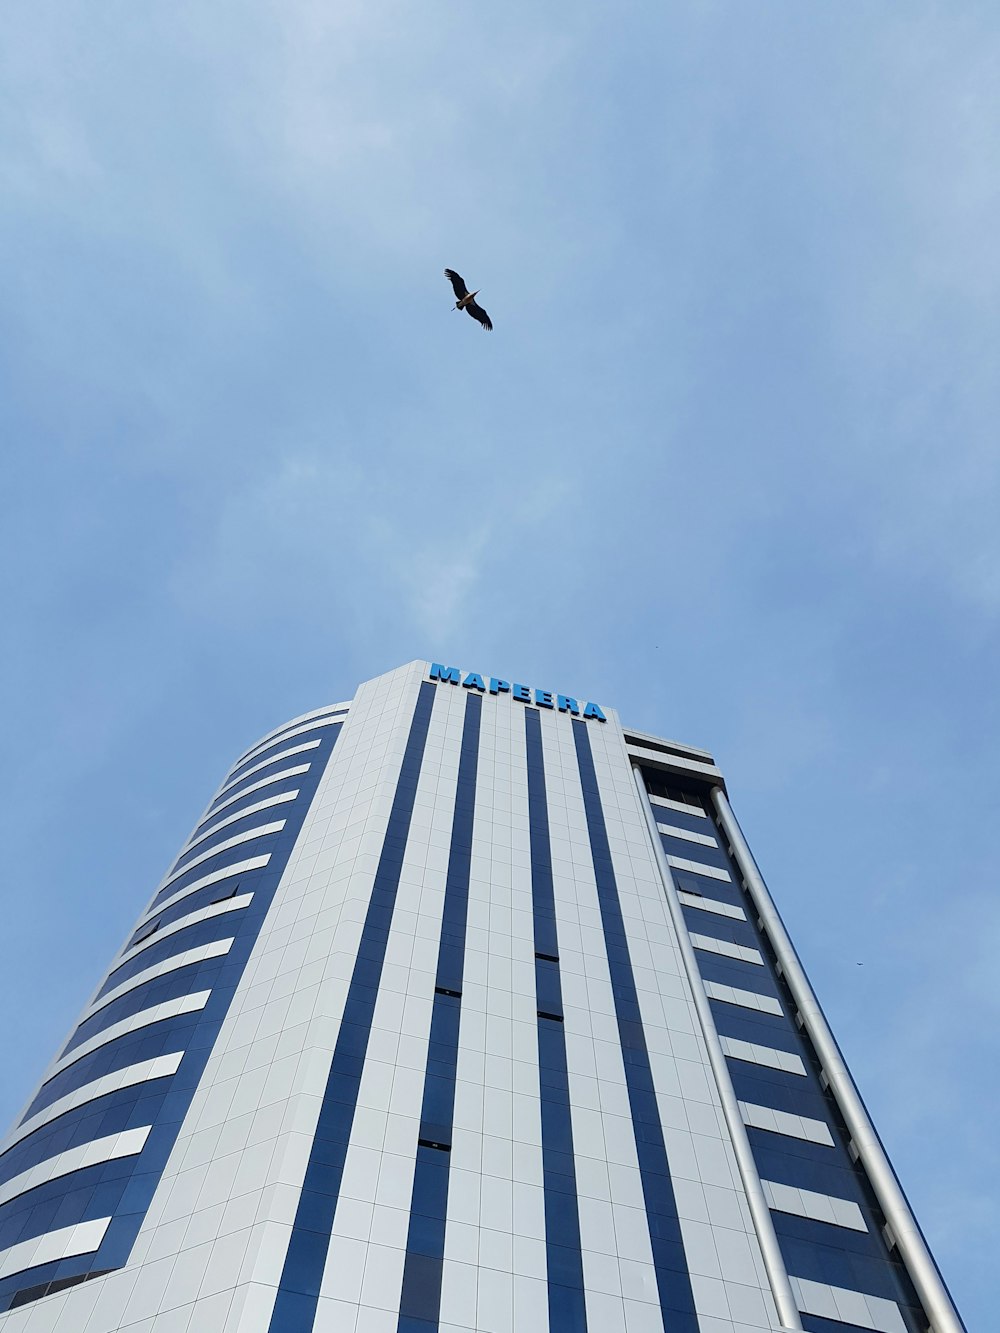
x=729, y=461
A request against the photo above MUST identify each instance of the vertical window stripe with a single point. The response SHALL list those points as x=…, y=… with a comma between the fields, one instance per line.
x=564, y=1262
x=302, y=1274
x=420, y=1301
x=672, y=1280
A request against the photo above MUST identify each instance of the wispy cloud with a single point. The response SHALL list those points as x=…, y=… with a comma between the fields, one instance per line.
x=728, y=461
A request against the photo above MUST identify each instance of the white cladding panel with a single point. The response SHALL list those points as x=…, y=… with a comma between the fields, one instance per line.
x=728, y=1277
x=211, y=1248
x=210, y=1252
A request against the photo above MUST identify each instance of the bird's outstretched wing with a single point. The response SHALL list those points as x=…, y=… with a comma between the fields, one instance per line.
x=457, y=283
x=477, y=312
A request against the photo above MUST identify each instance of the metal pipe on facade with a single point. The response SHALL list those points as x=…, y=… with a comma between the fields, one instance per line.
x=912, y=1247
x=774, y=1264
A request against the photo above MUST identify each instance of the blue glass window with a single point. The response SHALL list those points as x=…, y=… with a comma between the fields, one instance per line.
x=298, y=1290
x=673, y=1282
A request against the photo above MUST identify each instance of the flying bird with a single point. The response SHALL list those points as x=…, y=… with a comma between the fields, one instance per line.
x=466, y=300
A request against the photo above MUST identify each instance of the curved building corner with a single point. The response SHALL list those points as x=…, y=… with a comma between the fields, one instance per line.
x=463, y=1008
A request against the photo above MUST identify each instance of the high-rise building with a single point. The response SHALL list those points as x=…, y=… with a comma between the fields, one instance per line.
x=463, y=1008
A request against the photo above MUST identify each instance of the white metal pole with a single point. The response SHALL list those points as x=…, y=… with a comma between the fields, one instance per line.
x=774, y=1264
x=920, y=1265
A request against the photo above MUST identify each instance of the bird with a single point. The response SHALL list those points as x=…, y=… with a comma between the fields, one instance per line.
x=465, y=300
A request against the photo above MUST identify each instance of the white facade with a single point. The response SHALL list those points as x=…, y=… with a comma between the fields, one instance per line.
x=211, y=1250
